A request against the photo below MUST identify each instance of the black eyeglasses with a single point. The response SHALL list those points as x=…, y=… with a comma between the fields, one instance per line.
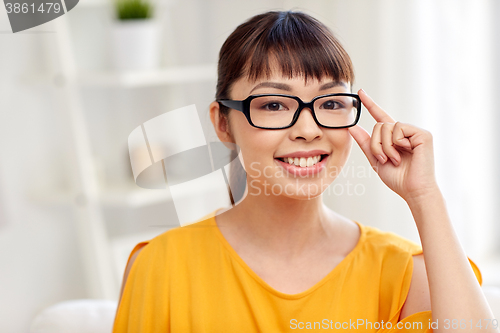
x=277, y=111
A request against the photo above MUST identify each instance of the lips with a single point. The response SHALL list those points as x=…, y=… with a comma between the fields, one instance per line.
x=304, y=171
x=303, y=161
x=305, y=154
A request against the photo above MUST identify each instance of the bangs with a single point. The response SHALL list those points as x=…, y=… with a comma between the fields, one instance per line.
x=294, y=43
x=298, y=48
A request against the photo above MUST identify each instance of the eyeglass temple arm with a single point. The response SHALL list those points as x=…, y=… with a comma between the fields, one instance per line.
x=237, y=105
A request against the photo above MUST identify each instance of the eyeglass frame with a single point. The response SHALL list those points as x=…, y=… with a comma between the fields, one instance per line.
x=244, y=107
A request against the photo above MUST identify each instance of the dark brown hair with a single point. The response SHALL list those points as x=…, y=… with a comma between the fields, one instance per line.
x=297, y=42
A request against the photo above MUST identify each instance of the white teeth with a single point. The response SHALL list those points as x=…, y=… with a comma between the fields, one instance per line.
x=302, y=161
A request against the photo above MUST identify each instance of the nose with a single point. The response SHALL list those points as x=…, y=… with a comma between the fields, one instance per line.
x=305, y=127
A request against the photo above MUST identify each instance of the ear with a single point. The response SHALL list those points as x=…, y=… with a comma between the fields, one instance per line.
x=220, y=123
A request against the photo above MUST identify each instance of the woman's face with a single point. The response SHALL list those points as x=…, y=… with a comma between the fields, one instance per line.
x=263, y=149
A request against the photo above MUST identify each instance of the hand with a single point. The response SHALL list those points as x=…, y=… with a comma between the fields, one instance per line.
x=401, y=154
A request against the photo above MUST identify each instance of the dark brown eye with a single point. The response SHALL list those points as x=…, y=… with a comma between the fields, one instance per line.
x=273, y=107
x=331, y=105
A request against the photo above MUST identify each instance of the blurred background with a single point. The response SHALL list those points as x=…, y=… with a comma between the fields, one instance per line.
x=70, y=212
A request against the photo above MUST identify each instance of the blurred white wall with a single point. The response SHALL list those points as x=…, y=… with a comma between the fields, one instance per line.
x=428, y=63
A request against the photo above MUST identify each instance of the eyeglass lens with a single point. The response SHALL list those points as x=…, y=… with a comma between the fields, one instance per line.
x=278, y=111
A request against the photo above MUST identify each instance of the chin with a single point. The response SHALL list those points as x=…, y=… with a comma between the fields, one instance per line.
x=301, y=189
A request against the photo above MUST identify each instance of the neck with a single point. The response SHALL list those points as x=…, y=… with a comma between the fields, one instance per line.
x=281, y=225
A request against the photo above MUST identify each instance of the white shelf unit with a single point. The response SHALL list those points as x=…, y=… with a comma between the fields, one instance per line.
x=136, y=79
x=100, y=3
x=103, y=256
x=164, y=76
x=93, y=3
x=131, y=197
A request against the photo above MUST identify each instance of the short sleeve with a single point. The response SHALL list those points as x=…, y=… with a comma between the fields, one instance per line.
x=139, y=307
x=421, y=322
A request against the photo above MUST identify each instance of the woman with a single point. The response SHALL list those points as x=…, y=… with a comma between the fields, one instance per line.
x=279, y=260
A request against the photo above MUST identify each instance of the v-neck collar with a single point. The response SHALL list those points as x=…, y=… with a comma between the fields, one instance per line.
x=345, y=261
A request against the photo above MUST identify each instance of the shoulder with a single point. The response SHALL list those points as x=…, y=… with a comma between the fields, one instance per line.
x=175, y=240
x=389, y=242
x=181, y=234
x=401, y=265
x=390, y=257
x=171, y=246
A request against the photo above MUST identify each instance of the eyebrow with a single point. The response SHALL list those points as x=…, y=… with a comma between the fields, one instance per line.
x=333, y=84
x=286, y=87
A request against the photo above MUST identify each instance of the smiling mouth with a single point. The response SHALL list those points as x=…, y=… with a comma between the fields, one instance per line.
x=303, y=161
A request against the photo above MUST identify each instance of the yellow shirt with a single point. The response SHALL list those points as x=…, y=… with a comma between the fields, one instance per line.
x=189, y=279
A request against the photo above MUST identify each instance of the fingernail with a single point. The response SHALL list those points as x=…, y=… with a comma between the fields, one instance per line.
x=394, y=161
x=381, y=158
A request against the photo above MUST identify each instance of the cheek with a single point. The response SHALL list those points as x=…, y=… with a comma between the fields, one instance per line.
x=257, y=146
x=254, y=141
x=341, y=140
x=258, y=153
x=342, y=144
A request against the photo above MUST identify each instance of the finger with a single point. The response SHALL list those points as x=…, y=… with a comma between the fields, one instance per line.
x=399, y=137
x=388, y=145
x=376, y=111
x=376, y=143
x=362, y=137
